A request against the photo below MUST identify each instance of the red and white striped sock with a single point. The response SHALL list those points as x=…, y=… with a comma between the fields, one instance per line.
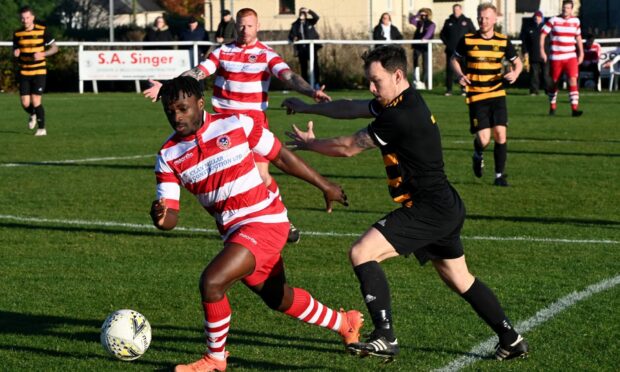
x=217, y=323
x=573, y=96
x=553, y=98
x=311, y=311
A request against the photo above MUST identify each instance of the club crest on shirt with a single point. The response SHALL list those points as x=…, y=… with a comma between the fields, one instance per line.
x=252, y=58
x=223, y=142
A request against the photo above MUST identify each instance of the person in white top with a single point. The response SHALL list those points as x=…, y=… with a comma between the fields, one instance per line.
x=566, y=54
x=385, y=30
x=242, y=72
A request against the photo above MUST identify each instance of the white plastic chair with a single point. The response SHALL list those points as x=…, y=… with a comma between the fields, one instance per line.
x=614, y=72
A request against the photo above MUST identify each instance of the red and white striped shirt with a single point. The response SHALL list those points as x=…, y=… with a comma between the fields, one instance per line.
x=563, y=33
x=243, y=76
x=217, y=166
x=592, y=54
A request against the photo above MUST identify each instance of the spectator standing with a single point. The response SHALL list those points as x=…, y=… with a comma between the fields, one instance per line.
x=159, y=32
x=591, y=56
x=454, y=28
x=226, y=30
x=424, y=30
x=566, y=54
x=385, y=30
x=29, y=44
x=195, y=32
x=303, y=29
x=530, y=36
x=483, y=53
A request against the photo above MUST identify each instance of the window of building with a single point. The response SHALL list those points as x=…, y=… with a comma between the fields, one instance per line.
x=287, y=7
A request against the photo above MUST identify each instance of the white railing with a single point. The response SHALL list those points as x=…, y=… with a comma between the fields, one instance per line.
x=312, y=43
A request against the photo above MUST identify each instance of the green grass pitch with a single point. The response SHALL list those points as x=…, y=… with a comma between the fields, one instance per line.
x=75, y=243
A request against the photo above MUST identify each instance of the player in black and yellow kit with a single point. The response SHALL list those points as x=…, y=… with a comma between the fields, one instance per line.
x=428, y=223
x=483, y=52
x=29, y=44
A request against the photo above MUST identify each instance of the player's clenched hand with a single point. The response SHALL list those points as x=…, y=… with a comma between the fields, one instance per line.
x=294, y=105
x=319, y=95
x=164, y=218
x=334, y=193
x=300, y=139
x=153, y=91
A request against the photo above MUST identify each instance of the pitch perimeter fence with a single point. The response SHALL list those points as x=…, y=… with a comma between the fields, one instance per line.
x=163, y=60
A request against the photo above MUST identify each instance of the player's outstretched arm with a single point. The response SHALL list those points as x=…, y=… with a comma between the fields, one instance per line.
x=153, y=91
x=164, y=218
x=340, y=109
x=343, y=146
x=298, y=84
x=295, y=166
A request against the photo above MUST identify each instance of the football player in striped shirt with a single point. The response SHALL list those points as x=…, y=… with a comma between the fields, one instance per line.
x=566, y=54
x=211, y=155
x=29, y=47
x=483, y=79
x=243, y=70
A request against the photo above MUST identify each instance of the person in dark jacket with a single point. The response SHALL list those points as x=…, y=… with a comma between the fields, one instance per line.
x=530, y=36
x=424, y=30
x=195, y=32
x=226, y=30
x=385, y=30
x=303, y=29
x=452, y=31
x=159, y=32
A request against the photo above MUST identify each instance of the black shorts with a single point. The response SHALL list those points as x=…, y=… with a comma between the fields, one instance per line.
x=487, y=114
x=34, y=84
x=429, y=231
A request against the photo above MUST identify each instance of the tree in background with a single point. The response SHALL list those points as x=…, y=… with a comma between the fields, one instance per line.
x=183, y=8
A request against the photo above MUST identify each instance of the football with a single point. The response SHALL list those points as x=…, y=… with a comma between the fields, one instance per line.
x=126, y=334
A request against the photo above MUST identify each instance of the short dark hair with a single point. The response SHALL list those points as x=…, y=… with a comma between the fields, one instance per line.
x=568, y=2
x=187, y=85
x=25, y=9
x=391, y=57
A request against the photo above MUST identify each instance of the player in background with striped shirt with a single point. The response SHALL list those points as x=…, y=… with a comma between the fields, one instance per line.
x=29, y=45
x=243, y=70
x=483, y=79
x=565, y=33
x=211, y=155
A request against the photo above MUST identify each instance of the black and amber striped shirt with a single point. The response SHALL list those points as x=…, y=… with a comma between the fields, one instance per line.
x=29, y=43
x=483, y=64
x=410, y=143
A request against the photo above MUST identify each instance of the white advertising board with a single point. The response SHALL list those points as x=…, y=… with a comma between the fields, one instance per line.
x=133, y=64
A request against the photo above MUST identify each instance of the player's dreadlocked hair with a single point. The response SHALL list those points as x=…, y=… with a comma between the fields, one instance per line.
x=391, y=57
x=171, y=89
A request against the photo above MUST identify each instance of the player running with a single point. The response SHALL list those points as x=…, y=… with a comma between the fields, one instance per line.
x=428, y=223
x=211, y=156
x=243, y=71
x=565, y=34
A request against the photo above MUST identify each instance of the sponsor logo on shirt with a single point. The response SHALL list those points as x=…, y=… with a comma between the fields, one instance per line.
x=180, y=160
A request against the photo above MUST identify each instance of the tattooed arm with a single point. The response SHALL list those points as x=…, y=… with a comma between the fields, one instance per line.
x=197, y=73
x=343, y=146
x=298, y=84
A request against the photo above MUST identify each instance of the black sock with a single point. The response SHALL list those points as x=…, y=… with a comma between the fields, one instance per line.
x=40, y=116
x=486, y=305
x=29, y=110
x=500, y=153
x=478, y=149
x=376, y=292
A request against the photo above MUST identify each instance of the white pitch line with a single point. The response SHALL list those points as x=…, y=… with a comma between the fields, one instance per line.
x=486, y=347
x=73, y=161
x=305, y=233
